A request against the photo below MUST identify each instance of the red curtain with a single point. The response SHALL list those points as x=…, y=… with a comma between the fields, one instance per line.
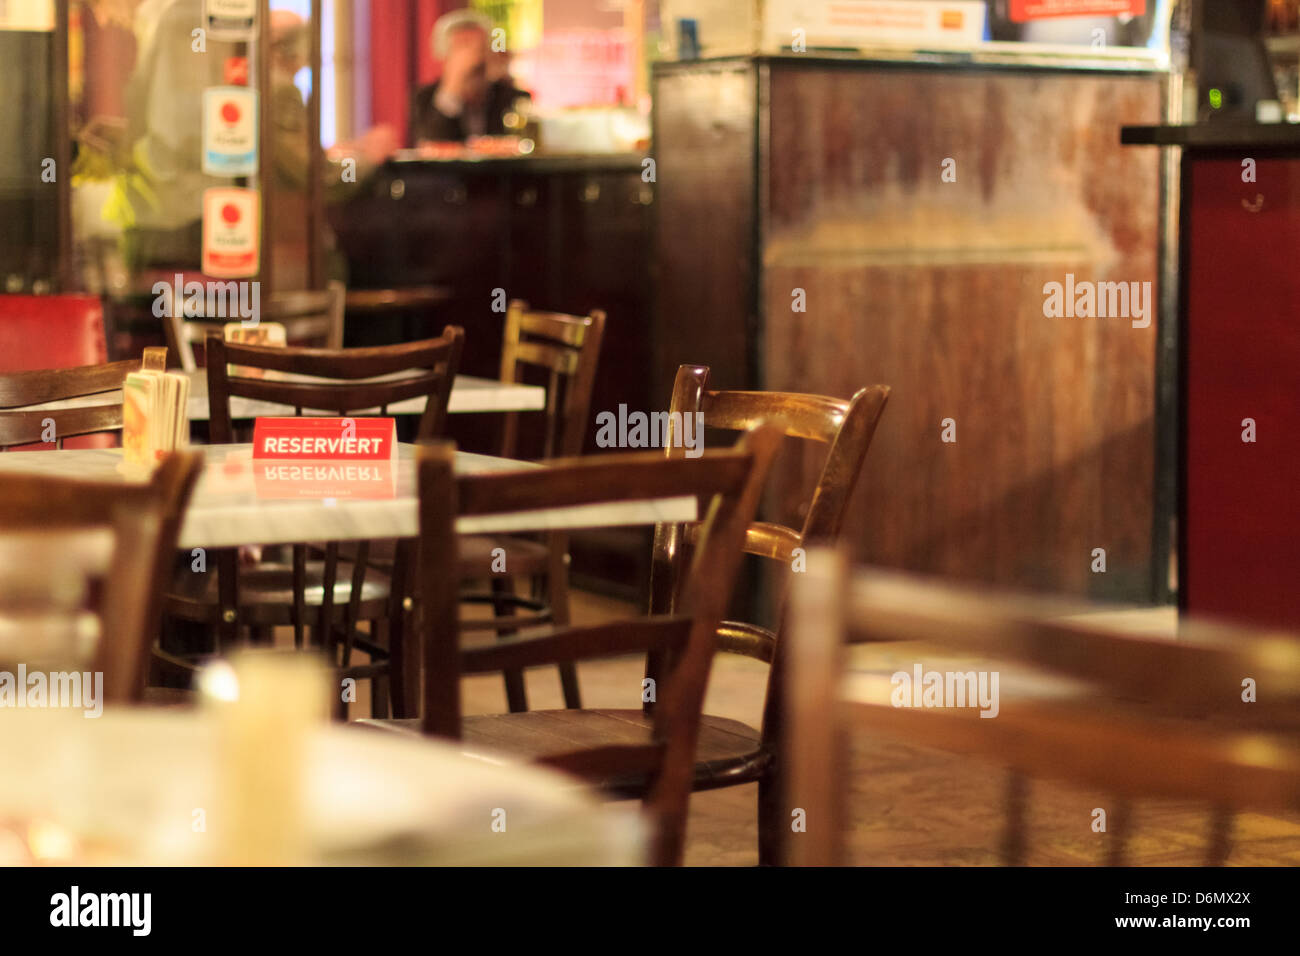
x=397, y=29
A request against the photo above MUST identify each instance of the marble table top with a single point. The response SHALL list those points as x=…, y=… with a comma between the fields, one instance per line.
x=469, y=393
x=240, y=501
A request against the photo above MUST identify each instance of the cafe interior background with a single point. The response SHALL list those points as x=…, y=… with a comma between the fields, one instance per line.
x=802, y=196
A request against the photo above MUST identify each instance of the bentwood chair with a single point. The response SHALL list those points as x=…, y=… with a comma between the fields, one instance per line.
x=624, y=752
x=323, y=599
x=26, y=428
x=566, y=348
x=732, y=753
x=311, y=318
x=1091, y=705
x=60, y=571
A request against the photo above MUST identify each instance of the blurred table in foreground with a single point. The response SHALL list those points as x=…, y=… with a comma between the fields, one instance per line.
x=125, y=789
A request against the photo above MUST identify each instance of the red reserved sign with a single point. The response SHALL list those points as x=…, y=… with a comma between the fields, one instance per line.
x=325, y=439
x=1022, y=11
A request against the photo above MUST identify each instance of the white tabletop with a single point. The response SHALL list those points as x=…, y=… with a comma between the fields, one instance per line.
x=240, y=501
x=468, y=394
x=123, y=789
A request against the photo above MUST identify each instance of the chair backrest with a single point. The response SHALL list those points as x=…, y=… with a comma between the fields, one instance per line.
x=51, y=331
x=846, y=426
x=1142, y=716
x=730, y=480
x=336, y=381
x=312, y=318
x=68, y=519
x=567, y=347
x=22, y=425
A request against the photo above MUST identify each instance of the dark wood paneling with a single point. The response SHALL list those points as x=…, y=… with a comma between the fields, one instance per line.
x=936, y=289
x=704, y=281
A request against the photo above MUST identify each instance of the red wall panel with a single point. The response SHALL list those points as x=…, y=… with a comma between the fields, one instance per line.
x=1242, y=354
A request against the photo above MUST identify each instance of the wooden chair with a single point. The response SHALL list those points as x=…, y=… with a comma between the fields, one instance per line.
x=567, y=347
x=310, y=318
x=625, y=752
x=339, y=591
x=51, y=551
x=20, y=425
x=1149, y=717
x=733, y=754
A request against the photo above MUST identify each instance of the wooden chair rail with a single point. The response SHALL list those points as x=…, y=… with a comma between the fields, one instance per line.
x=342, y=397
x=572, y=482
x=1203, y=667
x=569, y=330
x=813, y=417
x=435, y=359
x=340, y=363
x=27, y=427
x=51, y=385
x=747, y=640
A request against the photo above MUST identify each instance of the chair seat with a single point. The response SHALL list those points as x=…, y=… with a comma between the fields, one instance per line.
x=266, y=591
x=728, y=752
x=524, y=556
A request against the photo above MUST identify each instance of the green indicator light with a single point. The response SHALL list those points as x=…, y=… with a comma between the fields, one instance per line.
x=1216, y=98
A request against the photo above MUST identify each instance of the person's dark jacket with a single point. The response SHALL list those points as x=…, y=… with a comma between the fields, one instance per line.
x=427, y=122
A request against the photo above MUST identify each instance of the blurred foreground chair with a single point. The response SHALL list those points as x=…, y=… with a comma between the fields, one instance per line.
x=624, y=752
x=326, y=597
x=732, y=753
x=567, y=349
x=85, y=563
x=1093, y=706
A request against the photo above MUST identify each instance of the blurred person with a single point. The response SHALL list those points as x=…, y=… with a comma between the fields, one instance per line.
x=161, y=209
x=475, y=90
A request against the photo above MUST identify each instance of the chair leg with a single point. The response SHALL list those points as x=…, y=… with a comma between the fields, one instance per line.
x=402, y=635
x=773, y=822
x=1220, y=847
x=516, y=695
x=557, y=598
x=1119, y=825
x=379, y=696
x=1013, y=837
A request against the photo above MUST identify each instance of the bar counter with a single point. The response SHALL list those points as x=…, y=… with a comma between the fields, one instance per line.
x=805, y=232
x=1236, y=353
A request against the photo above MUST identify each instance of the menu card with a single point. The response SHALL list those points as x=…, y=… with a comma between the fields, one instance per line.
x=154, y=416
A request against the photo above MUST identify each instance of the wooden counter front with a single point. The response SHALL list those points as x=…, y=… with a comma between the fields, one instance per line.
x=790, y=173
